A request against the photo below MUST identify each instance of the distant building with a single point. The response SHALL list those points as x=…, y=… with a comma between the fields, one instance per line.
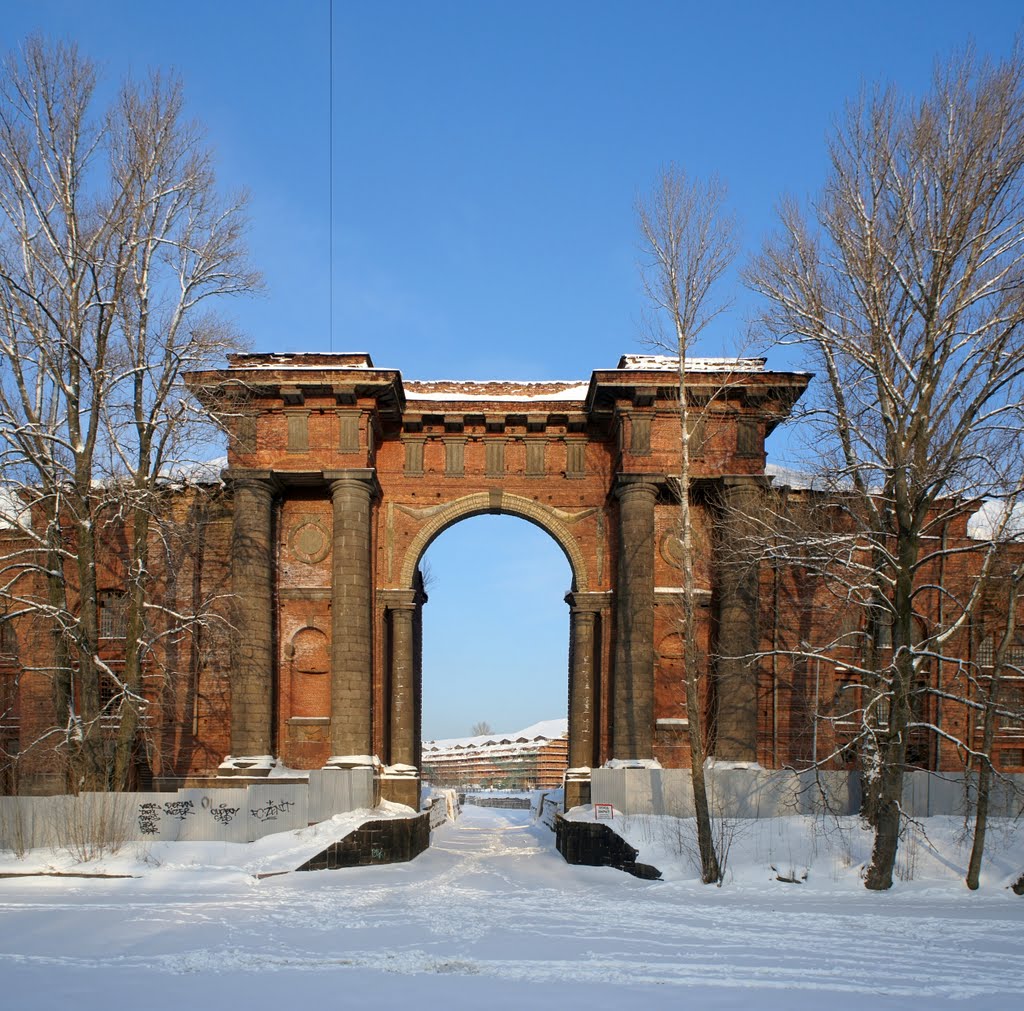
x=532, y=759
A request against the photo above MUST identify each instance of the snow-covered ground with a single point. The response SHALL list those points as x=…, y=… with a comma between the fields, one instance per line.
x=491, y=917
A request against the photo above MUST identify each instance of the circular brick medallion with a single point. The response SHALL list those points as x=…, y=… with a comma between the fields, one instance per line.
x=672, y=549
x=309, y=541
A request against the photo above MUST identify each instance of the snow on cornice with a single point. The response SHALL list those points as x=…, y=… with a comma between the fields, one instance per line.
x=666, y=363
x=327, y=361
x=495, y=389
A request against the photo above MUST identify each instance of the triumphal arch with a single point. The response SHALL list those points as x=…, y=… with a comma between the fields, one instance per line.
x=343, y=473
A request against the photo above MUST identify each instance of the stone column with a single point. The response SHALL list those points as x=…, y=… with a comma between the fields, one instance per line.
x=252, y=577
x=633, y=679
x=402, y=606
x=582, y=682
x=352, y=495
x=738, y=627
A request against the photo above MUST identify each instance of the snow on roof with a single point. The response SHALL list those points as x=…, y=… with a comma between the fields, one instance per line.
x=305, y=360
x=545, y=730
x=13, y=511
x=495, y=389
x=991, y=520
x=660, y=363
x=796, y=479
x=196, y=471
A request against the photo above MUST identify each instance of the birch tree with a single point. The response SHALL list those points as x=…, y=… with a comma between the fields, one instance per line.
x=687, y=241
x=115, y=247
x=902, y=286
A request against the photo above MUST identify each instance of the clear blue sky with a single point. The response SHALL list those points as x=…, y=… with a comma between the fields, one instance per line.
x=486, y=158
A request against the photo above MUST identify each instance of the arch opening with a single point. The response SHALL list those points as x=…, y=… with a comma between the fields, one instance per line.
x=495, y=652
x=555, y=522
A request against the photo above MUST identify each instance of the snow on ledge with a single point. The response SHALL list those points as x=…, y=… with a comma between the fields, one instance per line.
x=352, y=762
x=632, y=763
x=664, y=363
x=400, y=771
x=248, y=762
x=482, y=390
x=723, y=763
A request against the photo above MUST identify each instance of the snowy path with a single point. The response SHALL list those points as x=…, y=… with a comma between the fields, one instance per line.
x=492, y=916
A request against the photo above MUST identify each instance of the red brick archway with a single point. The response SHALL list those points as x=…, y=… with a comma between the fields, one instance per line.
x=343, y=473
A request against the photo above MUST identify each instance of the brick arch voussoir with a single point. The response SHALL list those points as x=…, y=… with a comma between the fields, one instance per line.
x=482, y=503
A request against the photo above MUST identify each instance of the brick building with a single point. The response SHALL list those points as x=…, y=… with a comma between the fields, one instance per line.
x=339, y=476
x=533, y=758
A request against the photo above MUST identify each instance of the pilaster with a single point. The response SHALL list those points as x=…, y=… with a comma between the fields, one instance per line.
x=401, y=609
x=584, y=653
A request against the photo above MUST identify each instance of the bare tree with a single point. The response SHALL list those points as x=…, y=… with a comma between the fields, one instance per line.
x=903, y=284
x=687, y=243
x=113, y=244
x=481, y=729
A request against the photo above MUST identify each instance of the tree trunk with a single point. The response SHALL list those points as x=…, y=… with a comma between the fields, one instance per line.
x=980, y=826
x=887, y=819
x=129, y=713
x=710, y=868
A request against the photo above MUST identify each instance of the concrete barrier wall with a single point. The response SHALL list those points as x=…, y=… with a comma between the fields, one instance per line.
x=766, y=793
x=229, y=814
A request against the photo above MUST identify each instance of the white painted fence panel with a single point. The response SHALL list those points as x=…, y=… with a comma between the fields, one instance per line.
x=229, y=814
x=272, y=808
x=334, y=791
x=763, y=793
x=215, y=815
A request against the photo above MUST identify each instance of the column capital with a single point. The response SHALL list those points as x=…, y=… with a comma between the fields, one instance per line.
x=634, y=484
x=398, y=600
x=744, y=482
x=361, y=478
x=265, y=481
x=593, y=602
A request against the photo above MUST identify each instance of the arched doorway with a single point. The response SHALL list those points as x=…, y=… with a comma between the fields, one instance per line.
x=405, y=615
x=495, y=656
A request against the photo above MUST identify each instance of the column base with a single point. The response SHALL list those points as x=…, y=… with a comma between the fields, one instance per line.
x=401, y=790
x=250, y=766
x=577, y=793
